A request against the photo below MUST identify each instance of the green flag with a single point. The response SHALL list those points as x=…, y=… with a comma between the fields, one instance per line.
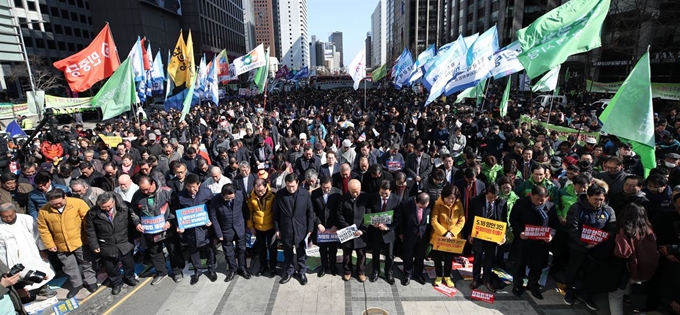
x=629, y=115
x=504, y=100
x=262, y=74
x=566, y=76
x=548, y=82
x=476, y=91
x=569, y=29
x=557, y=91
x=118, y=93
x=379, y=73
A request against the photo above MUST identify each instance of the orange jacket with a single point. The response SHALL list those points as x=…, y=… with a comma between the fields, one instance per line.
x=51, y=151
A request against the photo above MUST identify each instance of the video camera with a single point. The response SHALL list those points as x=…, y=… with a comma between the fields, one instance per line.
x=32, y=276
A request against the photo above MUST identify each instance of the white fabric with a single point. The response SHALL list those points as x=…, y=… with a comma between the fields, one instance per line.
x=216, y=187
x=20, y=243
x=127, y=195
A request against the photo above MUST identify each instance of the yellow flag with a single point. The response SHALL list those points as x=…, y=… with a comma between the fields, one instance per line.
x=177, y=68
x=191, y=64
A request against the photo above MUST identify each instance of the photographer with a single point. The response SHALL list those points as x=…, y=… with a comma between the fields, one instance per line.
x=10, y=302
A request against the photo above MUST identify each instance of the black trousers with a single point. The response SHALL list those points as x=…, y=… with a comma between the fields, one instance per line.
x=560, y=249
x=301, y=257
x=377, y=246
x=240, y=249
x=329, y=252
x=347, y=260
x=532, y=254
x=440, y=257
x=112, y=270
x=195, y=255
x=264, y=244
x=485, y=254
x=413, y=254
x=155, y=249
x=576, y=261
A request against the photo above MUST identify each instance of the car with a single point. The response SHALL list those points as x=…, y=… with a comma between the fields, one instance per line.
x=546, y=100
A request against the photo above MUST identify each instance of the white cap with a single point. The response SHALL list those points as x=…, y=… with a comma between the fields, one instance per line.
x=303, y=136
x=346, y=143
x=591, y=140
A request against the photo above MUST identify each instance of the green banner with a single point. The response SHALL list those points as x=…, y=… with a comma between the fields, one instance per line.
x=380, y=217
x=562, y=132
x=666, y=91
x=57, y=102
x=10, y=111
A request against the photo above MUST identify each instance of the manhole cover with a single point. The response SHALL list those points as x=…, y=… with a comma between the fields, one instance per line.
x=374, y=311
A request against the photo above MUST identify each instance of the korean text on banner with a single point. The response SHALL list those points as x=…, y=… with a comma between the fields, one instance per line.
x=591, y=235
x=192, y=217
x=153, y=225
x=111, y=141
x=489, y=230
x=347, y=233
x=482, y=296
x=534, y=232
x=327, y=237
x=380, y=217
x=454, y=245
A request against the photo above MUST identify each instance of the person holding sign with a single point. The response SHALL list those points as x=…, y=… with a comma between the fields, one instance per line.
x=487, y=206
x=351, y=210
x=382, y=233
x=198, y=239
x=324, y=201
x=536, y=210
x=590, y=222
x=414, y=228
x=448, y=220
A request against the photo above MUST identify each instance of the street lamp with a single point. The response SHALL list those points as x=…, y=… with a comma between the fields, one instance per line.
x=38, y=108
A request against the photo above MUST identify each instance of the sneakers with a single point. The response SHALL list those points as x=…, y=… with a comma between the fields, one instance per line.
x=46, y=291
x=569, y=298
x=158, y=279
x=437, y=281
x=449, y=282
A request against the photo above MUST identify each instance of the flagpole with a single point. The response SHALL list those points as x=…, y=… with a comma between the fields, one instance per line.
x=484, y=96
x=364, y=93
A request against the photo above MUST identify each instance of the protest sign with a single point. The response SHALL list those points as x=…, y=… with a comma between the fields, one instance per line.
x=489, y=230
x=534, y=232
x=593, y=236
x=65, y=306
x=454, y=245
x=380, y=217
x=482, y=296
x=153, y=225
x=450, y=292
x=393, y=166
x=347, y=233
x=311, y=249
x=111, y=141
x=327, y=237
x=192, y=217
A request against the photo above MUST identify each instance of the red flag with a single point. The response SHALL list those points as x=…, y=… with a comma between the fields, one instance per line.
x=92, y=64
x=145, y=55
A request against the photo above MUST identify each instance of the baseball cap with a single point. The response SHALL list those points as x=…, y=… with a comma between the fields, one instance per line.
x=152, y=137
x=673, y=156
x=556, y=162
x=346, y=143
x=303, y=136
x=157, y=132
x=591, y=140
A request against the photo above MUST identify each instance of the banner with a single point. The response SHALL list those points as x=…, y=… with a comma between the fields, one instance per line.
x=111, y=141
x=64, y=102
x=489, y=230
x=506, y=62
x=593, y=236
x=534, y=232
x=153, y=225
x=326, y=237
x=454, y=245
x=562, y=132
x=380, y=217
x=192, y=217
x=666, y=91
x=9, y=110
x=347, y=233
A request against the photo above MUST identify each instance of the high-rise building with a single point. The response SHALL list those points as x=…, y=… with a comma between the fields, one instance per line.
x=417, y=24
x=329, y=53
x=10, y=44
x=264, y=24
x=215, y=25
x=312, y=49
x=378, y=49
x=318, y=53
x=336, y=39
x=249, y=24
x=369, y=45
x=294, y=40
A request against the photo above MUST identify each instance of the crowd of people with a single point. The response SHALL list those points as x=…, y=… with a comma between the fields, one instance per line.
x=296, y=167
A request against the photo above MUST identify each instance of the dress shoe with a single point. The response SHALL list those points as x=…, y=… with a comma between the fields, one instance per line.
x=334, y=271
x=212, y=276
x=421, y=280
x=322, y=272
x=131, y=281
x=244, y=273
x=261, y=271
x=346, y=277
x=158, y=279
x=73, y=292
x=474, y=285
x=285, y=279
x=374, y=277
x=390, y=279
x=302, y=278
x=362, y=277
x=178, y=278
x=116, y=289
x=405, y=281
x=194, y=279
x=91, y=287
x=517, y=291
x=230, y=276
x=490, y=287
x=536, y=293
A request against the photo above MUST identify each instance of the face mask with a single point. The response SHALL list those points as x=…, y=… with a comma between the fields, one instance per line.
x=670, y=165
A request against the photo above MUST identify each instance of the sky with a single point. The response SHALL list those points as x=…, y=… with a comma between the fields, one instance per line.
x=351, y=17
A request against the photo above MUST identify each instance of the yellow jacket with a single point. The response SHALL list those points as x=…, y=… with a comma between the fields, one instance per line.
x=63, y=230
x=447, y=219
x=261, y=214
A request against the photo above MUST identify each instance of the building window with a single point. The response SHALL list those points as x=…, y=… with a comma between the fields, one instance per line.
x=83, y=19
x=74, y=17
x=48, y=27
x=80, y=47
x=71, y=47
x=28, y=41
x=64, y=14
x=77, y=33
x=80, y=4
x=58, y=29
x=72, y=2
x=61, y=45
x=54, y=11
x=51, y=44
x=68, y=31
x=39, y=43
x=31, y=6
x=43, y=8
x=18, y=3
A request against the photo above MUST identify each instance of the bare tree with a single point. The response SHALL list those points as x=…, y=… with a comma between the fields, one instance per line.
x=45, y=76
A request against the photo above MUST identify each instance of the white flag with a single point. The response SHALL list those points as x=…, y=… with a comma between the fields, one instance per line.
x=548, y=82
x=357, y=69
x=253, y=60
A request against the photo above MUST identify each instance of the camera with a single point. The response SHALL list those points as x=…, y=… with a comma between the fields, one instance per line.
x=15, y=270
x=32, y=276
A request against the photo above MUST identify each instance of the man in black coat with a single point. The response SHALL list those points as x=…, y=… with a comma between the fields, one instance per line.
x=418, y=165
x=534, y=210
x=341, y=179
x=324, y=201
x=403, y=187
x=293, y=222
x=306, y=161
x=382, y=234
x=228, y=212
x=414, y=231
x=107, y=231
x=372, y=182
x=245, y=179
x=198, y=239
x=351, y=210
x=179, y=169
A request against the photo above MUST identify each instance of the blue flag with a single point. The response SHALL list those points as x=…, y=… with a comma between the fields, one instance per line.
x=405, y=68
x=450, y=65
x=423, y=58
x=303, y=73
x=13, y=129
x=479, y=60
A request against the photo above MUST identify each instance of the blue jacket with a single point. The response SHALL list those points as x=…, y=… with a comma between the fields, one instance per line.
x=37, y=199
